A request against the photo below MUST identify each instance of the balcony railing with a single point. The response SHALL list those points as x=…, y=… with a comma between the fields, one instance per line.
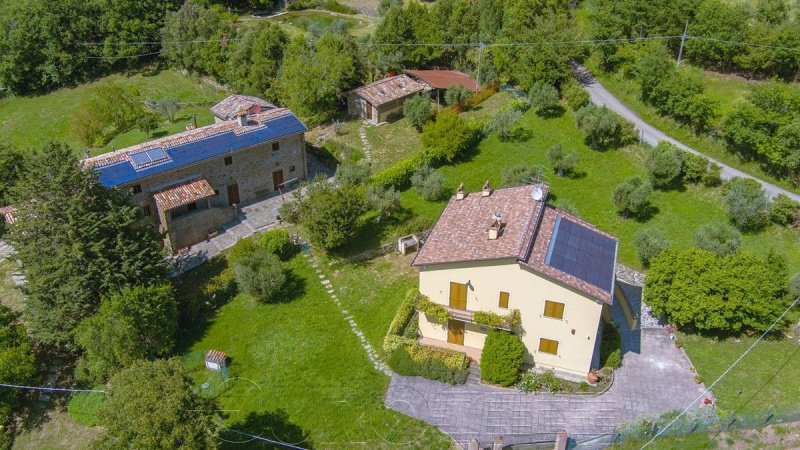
x=466, y=315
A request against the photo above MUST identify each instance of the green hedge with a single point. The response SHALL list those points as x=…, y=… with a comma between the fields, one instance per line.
x=394, y=337
x=399, y=174
x=501, y=358
x=433, y=363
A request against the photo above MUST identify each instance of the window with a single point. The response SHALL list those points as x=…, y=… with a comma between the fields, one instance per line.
x=548, y=346
x=503, y=299
x=291, y=169
x=146, y=210
x=228, y=160
x=192, y=206
x=553, y=310
x=276, y=146
x=137, y=188
x=216, y=191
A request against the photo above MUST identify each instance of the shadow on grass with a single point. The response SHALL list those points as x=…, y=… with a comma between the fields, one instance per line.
x=371, y=233
x=552, y=113
x=294, y=288
x=647, y=213
x=274, y=426
x=520, y=135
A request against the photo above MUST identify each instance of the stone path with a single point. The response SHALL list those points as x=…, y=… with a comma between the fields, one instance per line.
x=326, y=283
x=362, y=133
x=5, y=250
x=655, y=377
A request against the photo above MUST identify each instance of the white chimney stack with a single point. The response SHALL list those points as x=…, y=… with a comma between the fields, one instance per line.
x=460, y=192
x=497, y=224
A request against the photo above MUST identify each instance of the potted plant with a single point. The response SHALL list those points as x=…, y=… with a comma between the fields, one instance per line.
x=593, y=377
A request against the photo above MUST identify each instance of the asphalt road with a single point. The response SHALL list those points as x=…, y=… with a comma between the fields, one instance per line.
x=602, y=97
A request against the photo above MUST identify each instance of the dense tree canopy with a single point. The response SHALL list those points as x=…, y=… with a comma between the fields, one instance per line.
x=328, y=213
x=255, y=60
x=77, y=241
x=194, y=36
x=17, y=362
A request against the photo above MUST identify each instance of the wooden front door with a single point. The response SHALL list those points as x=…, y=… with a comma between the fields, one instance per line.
x=277, y=179
x=455, y=332
x=233, y=194
x=458, y=295
x=369, y=111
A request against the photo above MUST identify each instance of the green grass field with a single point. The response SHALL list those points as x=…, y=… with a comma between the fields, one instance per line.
x=298, y=373
x=31, y=121
x=299, y=22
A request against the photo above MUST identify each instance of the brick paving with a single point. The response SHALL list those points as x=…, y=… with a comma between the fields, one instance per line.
x=655, y=376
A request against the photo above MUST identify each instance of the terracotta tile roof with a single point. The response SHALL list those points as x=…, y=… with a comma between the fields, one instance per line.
x=388, y=89
x=232, y=105
x=256, y=121
x=216, y=356
x=9, y=214
x=461, y=234
x=182, y=194
x=443, y=79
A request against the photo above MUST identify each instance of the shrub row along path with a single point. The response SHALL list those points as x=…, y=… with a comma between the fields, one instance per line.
x=602, y=97
x=655, y=376
x=326, y=283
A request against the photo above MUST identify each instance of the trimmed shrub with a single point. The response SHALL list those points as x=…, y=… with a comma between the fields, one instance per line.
x=433, y=310
x=649, y=243
x=399, y=174
x=718, y=237
x=433, y=363
x=260, y=275
x=279, y=243
x=404, y=313
x=501, y=358
x=429, y=184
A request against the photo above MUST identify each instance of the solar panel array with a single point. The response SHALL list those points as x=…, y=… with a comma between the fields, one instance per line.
x=148, y=158
x=582, y=252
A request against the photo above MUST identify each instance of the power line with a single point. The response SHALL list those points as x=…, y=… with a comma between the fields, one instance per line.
x=125, y=57
x=749, y=44
x=283, y=444
x=723, y=374
x=42, y=388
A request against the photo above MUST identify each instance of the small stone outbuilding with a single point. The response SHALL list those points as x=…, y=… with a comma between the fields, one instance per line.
x=377, y=101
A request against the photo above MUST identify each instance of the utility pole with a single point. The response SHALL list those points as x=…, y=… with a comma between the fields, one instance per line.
x=683, y=42
x=480, y=54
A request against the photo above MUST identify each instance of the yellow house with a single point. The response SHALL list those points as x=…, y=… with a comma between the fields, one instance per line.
x=505, y=249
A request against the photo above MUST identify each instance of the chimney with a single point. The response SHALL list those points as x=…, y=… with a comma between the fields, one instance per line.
x=243, y=118
x=189, y=127
x=460, y=192
x=487, y=190
x=497, y=224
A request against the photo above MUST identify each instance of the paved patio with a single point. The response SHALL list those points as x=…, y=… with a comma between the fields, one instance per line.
x=655, y=376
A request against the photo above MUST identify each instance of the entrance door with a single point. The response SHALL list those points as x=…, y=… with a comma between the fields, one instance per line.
x=277, y=179
x=369, y=111
x=455, y=332
x=458, y=295
x=233, y=194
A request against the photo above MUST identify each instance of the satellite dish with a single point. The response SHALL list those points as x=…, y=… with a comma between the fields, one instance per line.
x=537, y=194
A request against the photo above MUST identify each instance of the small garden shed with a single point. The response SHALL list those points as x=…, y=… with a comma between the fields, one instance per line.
x=376, y=101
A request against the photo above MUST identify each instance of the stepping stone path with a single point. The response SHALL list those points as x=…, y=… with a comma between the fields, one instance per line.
x=326, y=283
x=362, y=133
x=5, y=250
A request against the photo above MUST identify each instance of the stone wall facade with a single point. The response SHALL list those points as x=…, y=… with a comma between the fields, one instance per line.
x=250, y=171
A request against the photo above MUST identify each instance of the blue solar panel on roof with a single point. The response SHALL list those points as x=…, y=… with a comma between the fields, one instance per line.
x=148, y=157
x=583, y=253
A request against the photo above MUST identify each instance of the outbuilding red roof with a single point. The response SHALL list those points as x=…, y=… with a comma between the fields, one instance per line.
x=444, y=79
x=9, y=214
x=182, y=194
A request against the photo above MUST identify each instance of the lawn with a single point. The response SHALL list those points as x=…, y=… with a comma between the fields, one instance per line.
x=10, y=295
x=392, y=142
x=725, y=90
x=299, y=22
x=297, y=372
x=31, y=121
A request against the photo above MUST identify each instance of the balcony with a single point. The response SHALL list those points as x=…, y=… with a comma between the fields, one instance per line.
x=465, y=315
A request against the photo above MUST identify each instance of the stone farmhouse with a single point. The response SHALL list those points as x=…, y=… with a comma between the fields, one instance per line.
x=189, y=184
x=506, y=249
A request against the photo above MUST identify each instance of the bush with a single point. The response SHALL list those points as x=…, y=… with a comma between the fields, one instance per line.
x=501, y=358
x=784, y=210
x=543, y=97
x=718, y=237
x=352, y=173
x=562, y=162
x=260, y=275
x=399, y=174
x=574, y=94
x=502, y=123
x=611, y=348
x=433, y=363
x=279, y=243
x=330, y=214
x=664, y=164
x=632, y=196
x=794, y=286
x=714, y=176
x=417, y=110
x=447, y=137
x=694, y=167
x=746, y=203
x=244, y=248
x=649, y=243
x=536, y=382
x=429, y=184
x=457, y=95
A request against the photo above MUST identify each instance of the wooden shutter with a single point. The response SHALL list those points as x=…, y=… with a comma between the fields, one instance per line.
x=503, y=299
x=554, y=310
x=548, y=346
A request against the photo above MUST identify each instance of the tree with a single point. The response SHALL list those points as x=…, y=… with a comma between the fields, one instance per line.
x=352, y=173
x=561, y=161
x=418, y=110
x=652, y=67
x=737, y=293
x=501, y=357
x=19, y=362
x=603, y=126
x=719, y=238
x=446, y=137
x=260, y=275
x=543, y=97
x=132, y=324
x=664, y=163
x=723, y=23
x=95, y=239
x=12, y=165
x=746, y=203
x=110, y=110
x=126, y=22
x=502, y=123
x=457, y=95
x=694, y=167
x=313, y=74
x=330, y=214
x=192, y=38
x=632, y=196
x=428, y=183
x=649, y=243
x=278, y=242
x=254, y=63
x=152, y=404
x=385, y=200
x=168, y=107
